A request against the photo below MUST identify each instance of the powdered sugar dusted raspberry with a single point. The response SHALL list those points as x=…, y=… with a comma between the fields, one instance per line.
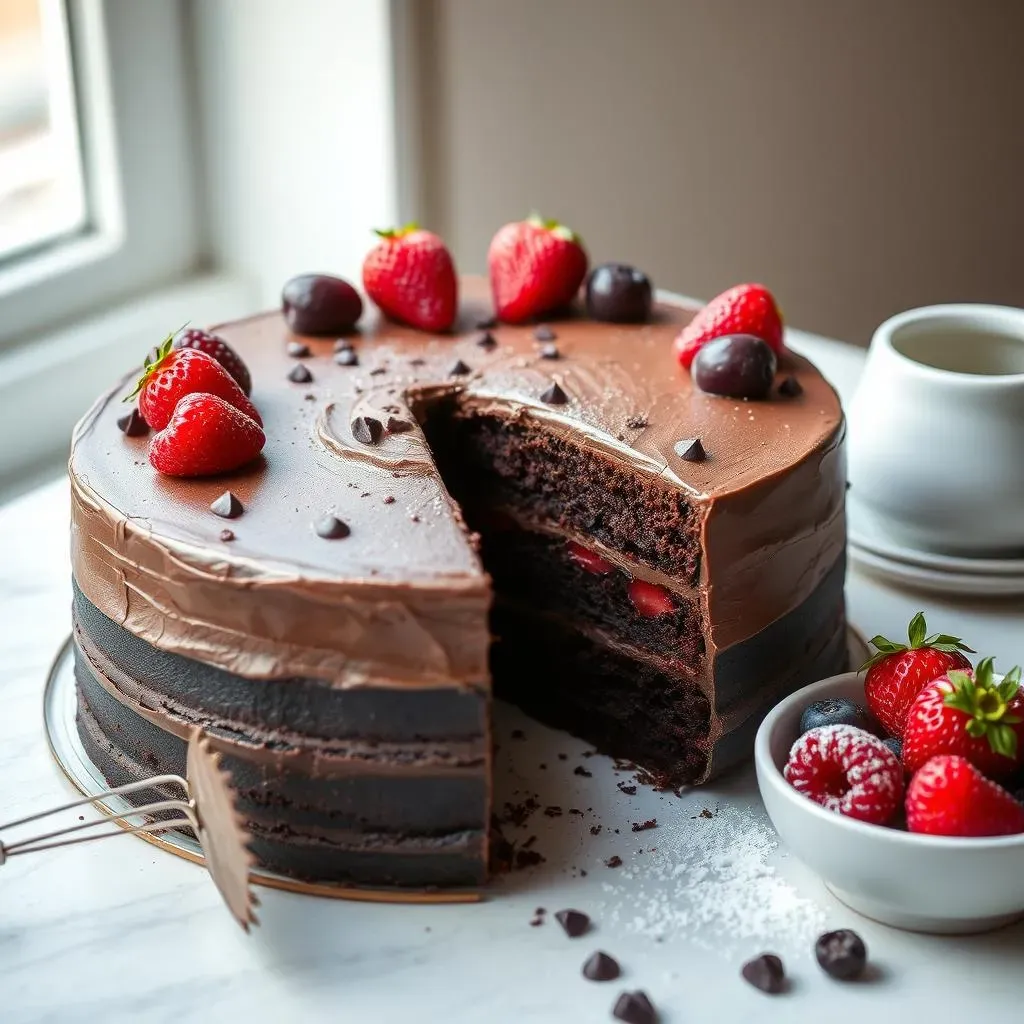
x=847, y=770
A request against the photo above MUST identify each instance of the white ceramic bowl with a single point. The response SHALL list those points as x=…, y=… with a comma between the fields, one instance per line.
x=923, y=883
x=937, y=428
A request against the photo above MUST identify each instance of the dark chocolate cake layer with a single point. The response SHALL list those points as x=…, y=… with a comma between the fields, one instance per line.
x=346, y=681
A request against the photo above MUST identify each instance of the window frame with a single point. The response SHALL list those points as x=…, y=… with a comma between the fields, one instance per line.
x=131, y=65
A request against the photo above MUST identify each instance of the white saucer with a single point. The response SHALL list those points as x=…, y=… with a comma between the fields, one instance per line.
x=874, y=550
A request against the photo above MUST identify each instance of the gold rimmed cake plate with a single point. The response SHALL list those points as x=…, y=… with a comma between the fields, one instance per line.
x=59, y=709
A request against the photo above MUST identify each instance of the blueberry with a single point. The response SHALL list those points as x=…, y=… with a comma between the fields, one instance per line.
x=836, y=711
x=895, y=744
x=618, y=294
x=841, y=954
x=735, y=366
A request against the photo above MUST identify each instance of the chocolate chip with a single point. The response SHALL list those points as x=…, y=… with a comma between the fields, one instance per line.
x=690, y=449
x=396, y=425
x=297, y=349
x=549, y=351
x=628, y=790
x=343, y=345
x=841, y=954
x=573, y=922
x=613, y=862
x=601, y=967
x=346, y=357
x=766, y=973
x=554, y=395
x=227, y=506
x=790, y=388
x=487, y=323
x=367, y=430
x=460, y=369
x=544, y=333
x=331, y=528
x=580, y=770
x=226, y=535
x=635, y=1008
x=300, y=374
x=486, y=340
x=132, y=424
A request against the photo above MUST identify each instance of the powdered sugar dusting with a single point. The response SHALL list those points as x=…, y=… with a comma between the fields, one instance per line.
x=715, y=884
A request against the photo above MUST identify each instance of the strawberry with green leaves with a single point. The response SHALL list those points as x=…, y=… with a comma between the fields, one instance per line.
x=898, y=672
x=969, y=714
x=171, y=374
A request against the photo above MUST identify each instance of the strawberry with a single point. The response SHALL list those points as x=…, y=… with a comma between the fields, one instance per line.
x=899, y=672
x=205, y=436
x=173, y=373
x=970, y=715
x=215, y=346
x=588, y=560
x=950, y=797
x=536, y=267
x=743, y=309
x=410, y=274
x=649, y=599
x=846, y=770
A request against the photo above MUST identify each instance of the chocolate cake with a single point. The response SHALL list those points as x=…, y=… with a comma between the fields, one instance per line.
x=505, y=509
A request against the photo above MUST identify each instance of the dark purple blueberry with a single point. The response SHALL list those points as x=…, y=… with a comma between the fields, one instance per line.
x=837, y=711
x=735, y=366
x=619, y=294
x=319, y=304
x=841, y=954
x=895, y=744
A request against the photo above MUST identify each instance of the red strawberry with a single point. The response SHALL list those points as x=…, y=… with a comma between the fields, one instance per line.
x=971, y=715
x=589, y=560
x=846, y=770
x=205, y=436
x=410, y=274
x=899, y=672
x=173, y=373
x=950, y=797
x=215, y=346
x=536, y=267
x=649, y=599
x=743, y=309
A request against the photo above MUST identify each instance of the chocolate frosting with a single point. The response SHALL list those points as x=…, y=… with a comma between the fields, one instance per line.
x=403, y=599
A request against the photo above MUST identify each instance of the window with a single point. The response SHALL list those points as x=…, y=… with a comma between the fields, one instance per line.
x=42, y=195
x=98, y=163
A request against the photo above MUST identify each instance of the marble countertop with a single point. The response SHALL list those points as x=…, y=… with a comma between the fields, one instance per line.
x=121, y=931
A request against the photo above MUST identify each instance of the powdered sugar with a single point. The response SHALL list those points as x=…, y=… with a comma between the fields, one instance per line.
x=714, y=883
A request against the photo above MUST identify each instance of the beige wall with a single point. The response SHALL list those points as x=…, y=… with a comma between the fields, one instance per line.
x=859, y=157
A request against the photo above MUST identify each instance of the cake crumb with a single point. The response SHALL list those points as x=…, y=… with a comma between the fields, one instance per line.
x=580, y=770
x=553, y=811
x=613, y=862
x=595, y=830
x=643, y=826
x=628, y=790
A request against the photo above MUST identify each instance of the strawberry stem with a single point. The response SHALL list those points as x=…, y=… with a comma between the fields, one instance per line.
x=395, y=233
x=917, y=638
x=152, y=361
x=986, y=703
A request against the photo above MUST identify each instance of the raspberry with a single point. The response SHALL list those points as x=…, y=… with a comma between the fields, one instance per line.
x=588, y=560
x=847, y=770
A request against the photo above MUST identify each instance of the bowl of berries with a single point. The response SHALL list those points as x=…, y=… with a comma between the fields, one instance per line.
x=902, y=785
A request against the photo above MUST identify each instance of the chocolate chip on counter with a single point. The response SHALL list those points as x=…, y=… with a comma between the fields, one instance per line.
x=690, y=449
x=486, y=340
x=397, y=425
x=343, y=344
x=297, y=349
x=460, y=369
x=841, y=954
x=346, y=357
x=554, y=395
x=766, y=973
x=635, y=1008
x=542, y=332
x=300, y=374
x=132, y=424
x=549, y=352
x=330, y=527
x=367, y=430
x=790, y=388
x=227, y=506
x=573, y=922
x=601, y=967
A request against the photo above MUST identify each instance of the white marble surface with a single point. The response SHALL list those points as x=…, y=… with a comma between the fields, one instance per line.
x=119, y=931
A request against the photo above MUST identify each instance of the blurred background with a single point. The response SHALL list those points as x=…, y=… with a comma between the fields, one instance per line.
x=170, y=160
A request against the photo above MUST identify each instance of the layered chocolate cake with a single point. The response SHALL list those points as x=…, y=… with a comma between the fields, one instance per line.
x=554, y=514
